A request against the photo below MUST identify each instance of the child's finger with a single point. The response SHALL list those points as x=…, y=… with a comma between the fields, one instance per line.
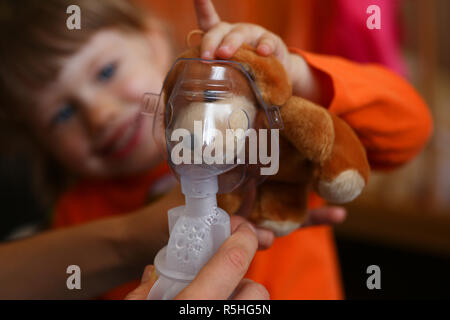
x=280, y=50
x=265, y=236
x=235, y=222
x=207, y=16
x=212, y=39
x=148, y=279
x=239, y=34
x=266, y=44
x=230, y=43
x=325, y=215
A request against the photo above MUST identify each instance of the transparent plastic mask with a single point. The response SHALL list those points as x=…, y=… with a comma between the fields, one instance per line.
x=203, y=127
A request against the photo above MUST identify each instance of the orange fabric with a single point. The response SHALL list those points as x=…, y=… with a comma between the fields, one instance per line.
x=392, y=121
x=93, y=200
x=292, y=20
x=302, y=265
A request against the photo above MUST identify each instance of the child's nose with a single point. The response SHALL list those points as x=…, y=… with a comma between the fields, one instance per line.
x=101, y=112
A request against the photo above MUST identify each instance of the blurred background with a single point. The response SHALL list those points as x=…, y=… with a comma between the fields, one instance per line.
x=402, y=221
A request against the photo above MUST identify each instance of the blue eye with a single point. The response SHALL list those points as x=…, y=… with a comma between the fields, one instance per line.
x=106, y=72
x=64, y=114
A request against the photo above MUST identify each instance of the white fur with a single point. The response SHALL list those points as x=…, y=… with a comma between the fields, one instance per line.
x=344, y=188
x=280, y=228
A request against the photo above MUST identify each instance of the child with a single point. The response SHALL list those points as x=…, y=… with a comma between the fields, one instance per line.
x=78, y=93
x=83, y=90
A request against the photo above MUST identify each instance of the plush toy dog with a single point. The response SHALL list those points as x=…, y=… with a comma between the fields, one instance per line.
x=318, y=151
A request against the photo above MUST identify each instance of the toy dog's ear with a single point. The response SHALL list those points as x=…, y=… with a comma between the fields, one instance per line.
x=268, y=73
x=173, y=75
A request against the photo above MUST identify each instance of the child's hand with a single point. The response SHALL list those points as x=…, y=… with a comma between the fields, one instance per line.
x=222, y=40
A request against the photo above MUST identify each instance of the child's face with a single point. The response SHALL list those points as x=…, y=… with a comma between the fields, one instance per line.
x=89, y=118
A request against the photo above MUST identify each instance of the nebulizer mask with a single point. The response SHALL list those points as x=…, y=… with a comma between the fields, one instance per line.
x=204, y=122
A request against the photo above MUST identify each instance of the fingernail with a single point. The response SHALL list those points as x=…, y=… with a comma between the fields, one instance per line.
x=147, y=273
x=225, y=49
x=154, y=276
x=206, y=55
x=264, y=49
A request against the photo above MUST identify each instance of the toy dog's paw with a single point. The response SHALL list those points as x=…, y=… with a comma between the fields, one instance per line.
x=309, y=128
x=343, y=188
x=280, y=228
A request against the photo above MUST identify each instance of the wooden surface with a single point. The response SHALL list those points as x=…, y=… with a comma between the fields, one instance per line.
x=410, y=208
x=423, y=231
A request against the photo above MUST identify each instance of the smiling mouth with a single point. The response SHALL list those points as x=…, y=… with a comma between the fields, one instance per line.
x=123, y=141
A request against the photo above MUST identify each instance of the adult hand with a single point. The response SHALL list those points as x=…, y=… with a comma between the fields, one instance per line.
x=223, y=275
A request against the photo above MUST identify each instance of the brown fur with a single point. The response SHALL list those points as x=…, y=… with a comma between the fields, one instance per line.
x=315, y=147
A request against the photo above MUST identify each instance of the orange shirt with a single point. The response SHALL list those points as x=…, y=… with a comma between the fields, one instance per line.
x=93, y=200
x=393, y=123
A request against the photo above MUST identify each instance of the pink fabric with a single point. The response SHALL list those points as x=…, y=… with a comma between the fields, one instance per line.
x=348, y=35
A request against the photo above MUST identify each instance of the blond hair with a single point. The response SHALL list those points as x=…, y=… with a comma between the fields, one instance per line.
x=34, y=40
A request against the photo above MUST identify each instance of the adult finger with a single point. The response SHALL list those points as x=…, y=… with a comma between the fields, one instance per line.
x=250, y=290
x=149, y=278
x=223, y=272
x=207, y=16
x=325, y=215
